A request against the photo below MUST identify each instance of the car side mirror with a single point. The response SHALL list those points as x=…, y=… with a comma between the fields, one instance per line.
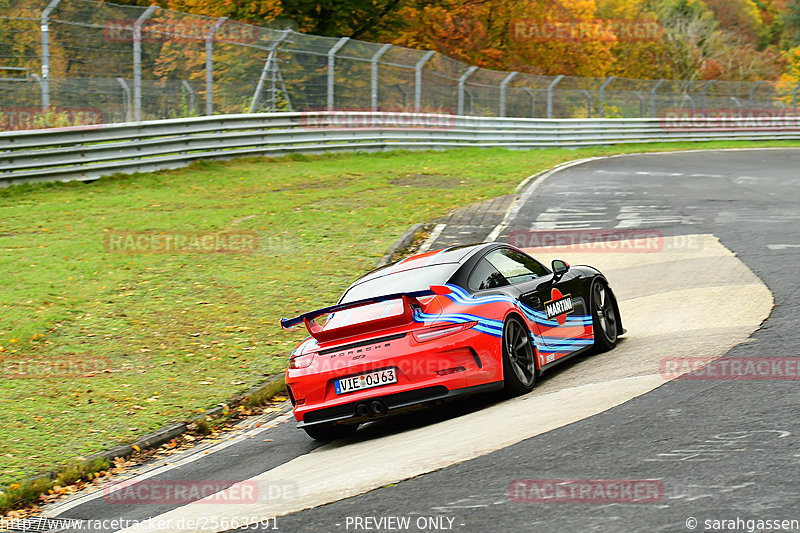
x=559, y=268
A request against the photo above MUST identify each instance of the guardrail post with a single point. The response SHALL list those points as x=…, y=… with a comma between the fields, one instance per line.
x=462, y=81
x=374, y=80
x=794, y=96
x=126, y=98
x=188, y=89
x=653, y=92
x=550, y=94
x=331, y=67
x=755, y=87
x=137, y=62
x=45, y=27
x=269, y=65
x=602, y=110
x=210, y=64
x=703, y=94
x=503, y=85
x=418, y=80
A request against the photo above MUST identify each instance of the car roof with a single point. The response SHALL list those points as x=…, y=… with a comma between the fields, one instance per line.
x=453, y=255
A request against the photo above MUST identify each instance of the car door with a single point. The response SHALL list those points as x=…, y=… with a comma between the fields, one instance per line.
x=551, y=303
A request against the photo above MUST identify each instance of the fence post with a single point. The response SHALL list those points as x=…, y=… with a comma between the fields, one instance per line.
x=188, y=89
x=708, y=84
x=532, y=96
x=45, y=27
x=137, y=62
x=653, y=92
x=550, y=94
x=737, y=102
x=210, y=64
x=609, y=80
x=462, y=80
x=374, y=65
x=126, y=93
x=794, y=96
x=588, y=96
x=418, y=80
x=756, y=85
x=268, y=65
x=331, y=65
x=503, y=85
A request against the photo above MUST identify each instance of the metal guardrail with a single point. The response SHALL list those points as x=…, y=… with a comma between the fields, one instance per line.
x=89, y=152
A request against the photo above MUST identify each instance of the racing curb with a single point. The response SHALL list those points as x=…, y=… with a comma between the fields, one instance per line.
x=269, y=388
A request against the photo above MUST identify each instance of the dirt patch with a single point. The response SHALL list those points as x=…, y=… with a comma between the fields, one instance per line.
x=429, y=181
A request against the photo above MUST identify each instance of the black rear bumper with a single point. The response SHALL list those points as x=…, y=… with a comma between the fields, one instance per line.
x=395, y=404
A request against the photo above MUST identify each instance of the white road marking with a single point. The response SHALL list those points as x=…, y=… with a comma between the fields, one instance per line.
x=782, y=246
x=651, y=216
x=431, y=238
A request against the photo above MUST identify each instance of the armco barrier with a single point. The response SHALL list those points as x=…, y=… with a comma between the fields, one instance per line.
x=89, y=152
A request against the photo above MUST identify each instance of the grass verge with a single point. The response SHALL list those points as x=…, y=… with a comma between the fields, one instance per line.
x=98, y=347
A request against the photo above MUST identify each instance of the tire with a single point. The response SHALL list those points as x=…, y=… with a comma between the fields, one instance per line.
x=519, y=358
x=604, y=316
x=329, y=432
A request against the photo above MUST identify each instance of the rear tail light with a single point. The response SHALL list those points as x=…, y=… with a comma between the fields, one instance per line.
x=301, y=361
x=436, y=333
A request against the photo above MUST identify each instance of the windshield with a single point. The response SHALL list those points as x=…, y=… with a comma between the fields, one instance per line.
x=415, y=279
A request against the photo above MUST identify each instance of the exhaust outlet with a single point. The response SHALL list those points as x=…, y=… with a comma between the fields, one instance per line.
x=378, y=407
x=362, y=410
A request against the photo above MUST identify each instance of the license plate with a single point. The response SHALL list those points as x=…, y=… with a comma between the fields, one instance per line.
x=365, y=381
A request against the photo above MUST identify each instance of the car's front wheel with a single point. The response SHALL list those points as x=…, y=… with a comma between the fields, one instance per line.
x=604, y=317
x=519, y=367
x=329, y=432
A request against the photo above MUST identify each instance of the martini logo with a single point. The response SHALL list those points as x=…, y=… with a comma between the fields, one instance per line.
x=559, y=307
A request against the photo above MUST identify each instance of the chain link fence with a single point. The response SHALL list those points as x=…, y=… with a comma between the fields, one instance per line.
x=69, y=62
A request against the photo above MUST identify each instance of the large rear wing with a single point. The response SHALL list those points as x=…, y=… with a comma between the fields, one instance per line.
x=318, y=331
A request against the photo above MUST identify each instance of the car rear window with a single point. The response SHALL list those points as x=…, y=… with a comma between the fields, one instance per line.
x=416, y=279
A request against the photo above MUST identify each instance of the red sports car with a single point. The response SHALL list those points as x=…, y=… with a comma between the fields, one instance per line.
x=443, y=324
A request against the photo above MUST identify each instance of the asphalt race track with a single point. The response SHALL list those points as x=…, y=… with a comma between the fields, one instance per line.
x=721, y=240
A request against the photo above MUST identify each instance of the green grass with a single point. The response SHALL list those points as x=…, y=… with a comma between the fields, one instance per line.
x=170, y=334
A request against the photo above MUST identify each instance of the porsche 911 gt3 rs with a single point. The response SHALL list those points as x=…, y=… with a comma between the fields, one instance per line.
x=440, y=325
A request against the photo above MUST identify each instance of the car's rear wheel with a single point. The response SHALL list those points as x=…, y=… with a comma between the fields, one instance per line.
x=604, y=316
x=519, y=367
x=329, y=432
